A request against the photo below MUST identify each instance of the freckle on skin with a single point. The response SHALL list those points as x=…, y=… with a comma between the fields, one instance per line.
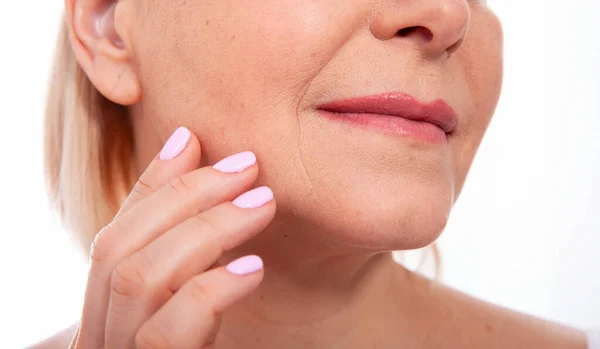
x=488, y=328
x=207, y=21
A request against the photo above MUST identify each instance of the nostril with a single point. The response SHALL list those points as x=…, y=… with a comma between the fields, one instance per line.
x=416, y=30
x=406, y=31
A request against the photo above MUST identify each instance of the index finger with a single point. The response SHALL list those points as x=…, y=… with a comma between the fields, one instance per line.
x=179, y=155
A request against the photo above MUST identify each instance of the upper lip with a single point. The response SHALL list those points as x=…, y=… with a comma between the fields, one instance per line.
x=401, y=104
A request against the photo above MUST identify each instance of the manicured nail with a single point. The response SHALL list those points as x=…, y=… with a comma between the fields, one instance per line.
x=245, y=265
x=236, y=163
x=254, y=198
x=176, y=143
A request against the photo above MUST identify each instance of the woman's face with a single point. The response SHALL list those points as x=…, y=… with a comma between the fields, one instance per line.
x=249, y=75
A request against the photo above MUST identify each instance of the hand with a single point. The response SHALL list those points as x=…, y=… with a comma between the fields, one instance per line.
x=154, y=279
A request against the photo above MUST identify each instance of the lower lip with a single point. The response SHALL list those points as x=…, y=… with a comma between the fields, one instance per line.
x=392, y=125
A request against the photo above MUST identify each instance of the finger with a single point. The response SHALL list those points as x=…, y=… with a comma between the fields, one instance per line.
x=187, y=195
x=181, y=198
x=180, y=154
x=189, y=318
x=73, y=343
x=143, y=282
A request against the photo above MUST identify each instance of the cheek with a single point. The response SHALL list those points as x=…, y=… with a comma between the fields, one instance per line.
x=237, y=81
x=482, y=65
x=219, y=62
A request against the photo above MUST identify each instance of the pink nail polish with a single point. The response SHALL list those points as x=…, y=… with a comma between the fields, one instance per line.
x=254, y=198
x=176, y=143
x=245, y=265
x=236, y=163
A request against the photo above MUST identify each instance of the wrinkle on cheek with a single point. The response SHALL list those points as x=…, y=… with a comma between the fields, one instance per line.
x=305, y=170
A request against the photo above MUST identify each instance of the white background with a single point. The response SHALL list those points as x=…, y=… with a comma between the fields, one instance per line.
x=524, y=234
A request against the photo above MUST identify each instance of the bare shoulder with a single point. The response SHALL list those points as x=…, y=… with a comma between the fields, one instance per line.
x=473, y=323
x=61, y=340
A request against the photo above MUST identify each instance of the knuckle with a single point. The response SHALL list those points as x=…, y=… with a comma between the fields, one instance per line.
x=201, y=294
x=198, y=291
x=203, y=225
x=129, y=279
x=150, y=336
x=141, y=188
x=102, y=245
x=180, y=186
x=209, y=233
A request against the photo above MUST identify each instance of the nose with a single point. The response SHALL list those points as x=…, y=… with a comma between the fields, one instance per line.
x=438, y=27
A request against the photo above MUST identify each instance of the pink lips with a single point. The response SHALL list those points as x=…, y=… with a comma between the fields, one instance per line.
x=396, y=112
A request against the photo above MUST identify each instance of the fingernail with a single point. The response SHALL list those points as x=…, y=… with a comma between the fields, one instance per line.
x=245, y=265
x=254, y=198
x=176, y=143
x=236, y=163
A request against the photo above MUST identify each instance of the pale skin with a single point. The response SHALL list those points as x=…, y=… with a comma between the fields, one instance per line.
x=246, y=76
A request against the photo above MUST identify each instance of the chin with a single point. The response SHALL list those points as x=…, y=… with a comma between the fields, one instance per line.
x=361, y=189
x=380, y=218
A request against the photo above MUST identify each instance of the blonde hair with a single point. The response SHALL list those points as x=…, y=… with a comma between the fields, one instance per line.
x=89, y=153
x=88, y=148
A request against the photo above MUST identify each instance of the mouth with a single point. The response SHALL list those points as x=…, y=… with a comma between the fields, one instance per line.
x=395, y=113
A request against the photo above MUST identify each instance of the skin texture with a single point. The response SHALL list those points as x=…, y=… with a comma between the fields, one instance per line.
x=274, y=67
x=247, y=75
x=244, y=82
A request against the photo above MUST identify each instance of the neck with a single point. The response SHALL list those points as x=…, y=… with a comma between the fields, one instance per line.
x=314, y=294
